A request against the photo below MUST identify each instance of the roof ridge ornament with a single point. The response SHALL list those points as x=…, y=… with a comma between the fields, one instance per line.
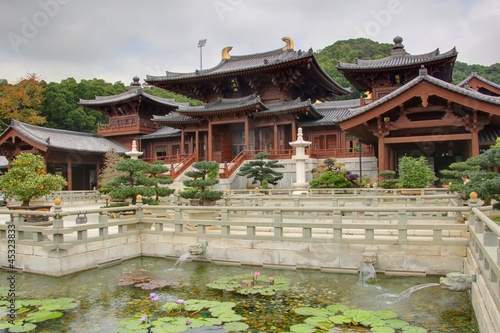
x=225, y=53
x=289, y=44
x=422, y=71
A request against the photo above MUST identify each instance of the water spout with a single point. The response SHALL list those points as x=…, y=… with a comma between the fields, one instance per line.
x=367, y=274
x=394, y=298
x=180, y=262
x=456, y=282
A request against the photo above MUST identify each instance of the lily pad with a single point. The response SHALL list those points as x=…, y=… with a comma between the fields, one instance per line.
x=396, y=323
x=39, y=316
x=302, y=328
x=334, y=308
x=26, y=327
x=385, y=314
x=235, y=326
x=308, y=311
x=340, y=319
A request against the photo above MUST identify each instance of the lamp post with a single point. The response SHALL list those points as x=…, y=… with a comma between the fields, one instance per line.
x=201, y=44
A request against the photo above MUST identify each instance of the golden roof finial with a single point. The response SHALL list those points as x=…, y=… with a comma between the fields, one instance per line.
x=225, y=52
x=289, y=43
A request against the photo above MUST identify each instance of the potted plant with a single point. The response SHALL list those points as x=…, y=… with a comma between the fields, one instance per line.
x=27, y=180
x=203, y=175
x=415, y=173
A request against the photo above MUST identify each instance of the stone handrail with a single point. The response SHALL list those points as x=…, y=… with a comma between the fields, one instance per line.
x=485, y=248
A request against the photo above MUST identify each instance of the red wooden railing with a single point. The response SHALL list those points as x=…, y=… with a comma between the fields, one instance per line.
x=178, y=169
x=231, y=167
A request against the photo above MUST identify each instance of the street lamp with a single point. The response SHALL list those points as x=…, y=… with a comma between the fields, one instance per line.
x=201, y=44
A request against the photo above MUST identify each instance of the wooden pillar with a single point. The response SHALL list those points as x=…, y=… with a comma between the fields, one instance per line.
x=208, y=142
x=197, y=144
x=275, y=136
x=191, y=143
x=97, y=173
x=247, y=134
x=182, y=148
x=475, y=143
x=69, y=172
x=381, y=154
x=294, y=130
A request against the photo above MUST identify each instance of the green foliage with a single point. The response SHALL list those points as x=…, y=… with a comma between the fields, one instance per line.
x=389, y=179
x=324, y=319
x=139, y=178
x=27, y=180
x=159, y=92
x=261, y=170
x=251, y=284
x=157, y=172
x=60, y=105
x=181, y=315
x=331, y=179
x=480, y=171
x=203, y=175
x=30, y=312
x=414, y=172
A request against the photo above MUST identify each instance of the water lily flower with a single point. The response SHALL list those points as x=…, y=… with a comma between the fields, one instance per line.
x=188, y=322
x=271, y=280
x=256, y=273
x=153, y=297
x=181, y=301
x=143, y=319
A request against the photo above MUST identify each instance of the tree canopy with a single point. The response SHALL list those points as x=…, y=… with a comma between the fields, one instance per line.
x=262, y=170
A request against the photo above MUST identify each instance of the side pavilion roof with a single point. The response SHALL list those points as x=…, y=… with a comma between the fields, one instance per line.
x=49, y=138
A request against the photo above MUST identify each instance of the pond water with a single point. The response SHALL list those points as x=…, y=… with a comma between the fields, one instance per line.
x=103, y=303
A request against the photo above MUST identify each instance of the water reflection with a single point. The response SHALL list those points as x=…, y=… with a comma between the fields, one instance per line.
x=103, y=303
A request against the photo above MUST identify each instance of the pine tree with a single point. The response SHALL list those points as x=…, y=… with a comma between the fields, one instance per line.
x=261, y=170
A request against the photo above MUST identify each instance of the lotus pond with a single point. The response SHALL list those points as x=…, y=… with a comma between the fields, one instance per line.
x=149, y=292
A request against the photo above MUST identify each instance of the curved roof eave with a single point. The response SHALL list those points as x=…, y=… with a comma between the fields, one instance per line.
x=423, y=77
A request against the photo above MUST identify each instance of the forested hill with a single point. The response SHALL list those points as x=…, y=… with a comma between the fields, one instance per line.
x=349, y=50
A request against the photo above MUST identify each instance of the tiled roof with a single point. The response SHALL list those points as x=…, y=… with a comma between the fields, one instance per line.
x=132, y=93
x=489, y=135
x=238, y=63
x=225, y=104
x=424, y=77
x=163, y=132
x=402, y=60
x=480, y=78
x=66, y=140
x=331, y=112
x=174, y=117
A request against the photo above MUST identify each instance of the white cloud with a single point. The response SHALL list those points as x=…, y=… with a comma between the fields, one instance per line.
x=118, y=39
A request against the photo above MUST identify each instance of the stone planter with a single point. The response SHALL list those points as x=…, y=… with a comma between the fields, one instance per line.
x=35, y=219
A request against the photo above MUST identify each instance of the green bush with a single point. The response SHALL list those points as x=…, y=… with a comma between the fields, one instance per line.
x=331, y=179
x=415, y=172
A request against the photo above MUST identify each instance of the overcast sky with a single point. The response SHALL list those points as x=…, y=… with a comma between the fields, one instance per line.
x=117, y=39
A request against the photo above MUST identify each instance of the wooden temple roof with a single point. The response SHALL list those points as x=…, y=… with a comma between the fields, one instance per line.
x=135, y=92
x=331, y=113
x=49, y=138
x=479, y=83
x=162, y=132
x=303, y=63
x=399, y=60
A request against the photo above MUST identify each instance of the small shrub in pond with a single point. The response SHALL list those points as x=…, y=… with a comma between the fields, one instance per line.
x=337, y=315
x=251, y=284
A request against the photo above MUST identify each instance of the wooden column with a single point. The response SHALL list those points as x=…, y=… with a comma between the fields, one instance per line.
x=182, y=150
x=209, y=156
x=247, y=134
x=475, y=143
x=69, y=172
x=294, y=130
x=381, y=154
x=275, y=136
x=97, y=173
x=197, y=144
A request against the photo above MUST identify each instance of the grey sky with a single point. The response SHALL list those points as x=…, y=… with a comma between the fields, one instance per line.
x=117, y=39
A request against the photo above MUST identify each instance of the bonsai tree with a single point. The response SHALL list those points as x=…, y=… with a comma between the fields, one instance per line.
x=477, y=174
x=203, y=175
x=415, y=172
x=27, y=179
x=388, y=179
x=157, y=173
x=132, y=182
x=333, y=175
x=262, y=171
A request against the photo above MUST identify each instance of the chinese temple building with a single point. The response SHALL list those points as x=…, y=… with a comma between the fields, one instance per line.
x=76, y=156
x=258, y=102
